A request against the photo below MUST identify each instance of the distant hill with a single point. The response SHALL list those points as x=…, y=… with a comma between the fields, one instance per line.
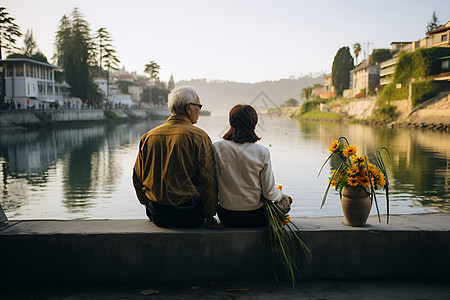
x=220, y=96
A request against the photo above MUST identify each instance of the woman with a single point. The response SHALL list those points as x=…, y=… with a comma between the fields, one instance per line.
x=244, y=172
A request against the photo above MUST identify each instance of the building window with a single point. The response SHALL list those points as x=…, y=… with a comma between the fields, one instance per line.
x=41, y=88
x=445, y=64
x=49, y=88
x=28, y=70
x=19, y=70
x=443, y=37
x=10, y=70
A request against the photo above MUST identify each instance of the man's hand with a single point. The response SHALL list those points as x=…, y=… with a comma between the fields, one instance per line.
x=211, y=222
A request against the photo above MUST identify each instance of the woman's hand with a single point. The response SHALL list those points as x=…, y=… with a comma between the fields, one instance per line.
x=284, y=204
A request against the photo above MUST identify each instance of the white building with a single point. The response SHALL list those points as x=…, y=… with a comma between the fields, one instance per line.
x=106, y=89
x=121, y=101
x=364, y=79
x=31, y=84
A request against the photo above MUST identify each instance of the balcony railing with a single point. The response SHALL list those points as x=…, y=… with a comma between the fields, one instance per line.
x=389, y=62
x=387, y=71
x=385, y=81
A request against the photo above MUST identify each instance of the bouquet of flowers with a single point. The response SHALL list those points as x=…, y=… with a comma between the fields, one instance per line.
x=285, y=243
x=355, y=170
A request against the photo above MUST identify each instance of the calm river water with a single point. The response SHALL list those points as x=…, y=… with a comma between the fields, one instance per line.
x=85, y=173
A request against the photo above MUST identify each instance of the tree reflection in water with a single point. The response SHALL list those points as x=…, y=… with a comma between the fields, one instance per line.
x=70, y=173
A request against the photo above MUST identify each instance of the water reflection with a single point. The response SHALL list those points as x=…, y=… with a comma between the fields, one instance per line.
x=420, y=160
x=72, y=173
x=79, y=160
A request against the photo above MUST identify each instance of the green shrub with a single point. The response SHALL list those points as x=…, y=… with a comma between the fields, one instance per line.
x=418, y=64
x=309, y=106
x=386, y=112
x=110, y=115
x=391, y=92
x=422, y=91
x=318, y=115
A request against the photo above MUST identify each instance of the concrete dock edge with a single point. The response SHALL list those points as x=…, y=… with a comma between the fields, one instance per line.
x=410, y=246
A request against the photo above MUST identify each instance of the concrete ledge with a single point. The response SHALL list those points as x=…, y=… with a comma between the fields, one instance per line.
x=137, y=250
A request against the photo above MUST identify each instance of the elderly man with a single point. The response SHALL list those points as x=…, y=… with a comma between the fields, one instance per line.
x=174, y=173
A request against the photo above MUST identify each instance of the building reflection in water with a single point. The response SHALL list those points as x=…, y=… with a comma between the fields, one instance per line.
x=86, y=172
x=85, y=156
x=420, y=159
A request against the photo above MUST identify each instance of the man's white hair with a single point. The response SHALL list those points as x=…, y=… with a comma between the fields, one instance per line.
x=180, y=97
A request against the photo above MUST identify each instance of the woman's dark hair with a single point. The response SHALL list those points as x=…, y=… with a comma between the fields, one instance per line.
x=243, y=120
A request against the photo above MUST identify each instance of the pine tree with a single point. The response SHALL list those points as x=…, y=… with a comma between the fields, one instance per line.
x=171, y=84
x=9, y=32
x=152, y=69
x=30, y=44
x=340, y=71
x=73, y=53
x=107, y=57
x=433, y=23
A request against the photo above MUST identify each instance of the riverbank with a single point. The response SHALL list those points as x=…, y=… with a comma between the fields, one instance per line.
x=30, y=118
x=433, y=114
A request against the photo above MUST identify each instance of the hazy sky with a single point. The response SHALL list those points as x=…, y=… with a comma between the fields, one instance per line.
x=236, y=40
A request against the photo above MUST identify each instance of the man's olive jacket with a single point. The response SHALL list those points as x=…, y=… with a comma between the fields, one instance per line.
x=175, y=164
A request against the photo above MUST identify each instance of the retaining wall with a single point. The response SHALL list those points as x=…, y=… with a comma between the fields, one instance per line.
x=137, y=250
x=10, y=119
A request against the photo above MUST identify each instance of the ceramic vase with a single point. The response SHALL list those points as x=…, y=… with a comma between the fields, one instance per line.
x=356, y=205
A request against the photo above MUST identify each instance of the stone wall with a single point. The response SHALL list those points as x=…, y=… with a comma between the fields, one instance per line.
x=13, y=119
x=410, y=246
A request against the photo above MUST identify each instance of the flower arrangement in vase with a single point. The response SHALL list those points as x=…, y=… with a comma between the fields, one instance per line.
x=356, y=180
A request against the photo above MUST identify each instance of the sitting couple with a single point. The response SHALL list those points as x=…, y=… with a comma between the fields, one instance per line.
x=183, y=179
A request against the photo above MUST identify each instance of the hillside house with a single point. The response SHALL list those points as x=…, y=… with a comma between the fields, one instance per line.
x=364, y=79
x=440, y=37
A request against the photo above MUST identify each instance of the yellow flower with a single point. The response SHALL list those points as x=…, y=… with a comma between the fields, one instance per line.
x=363, y=180
x=287, y=220
x=334, y=146
x=357, y=159
x=381, y=180
x=374, y=172
x=353, y=171
x=279, y=186
x=349, y=150
x=336, y=174
x=352, y=181
x=333, y=183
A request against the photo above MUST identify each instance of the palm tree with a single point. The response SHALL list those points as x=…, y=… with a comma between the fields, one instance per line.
x=110, y=61
x=306, y=92
x=356, y=50
x=152, y=69
x=317, y=85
